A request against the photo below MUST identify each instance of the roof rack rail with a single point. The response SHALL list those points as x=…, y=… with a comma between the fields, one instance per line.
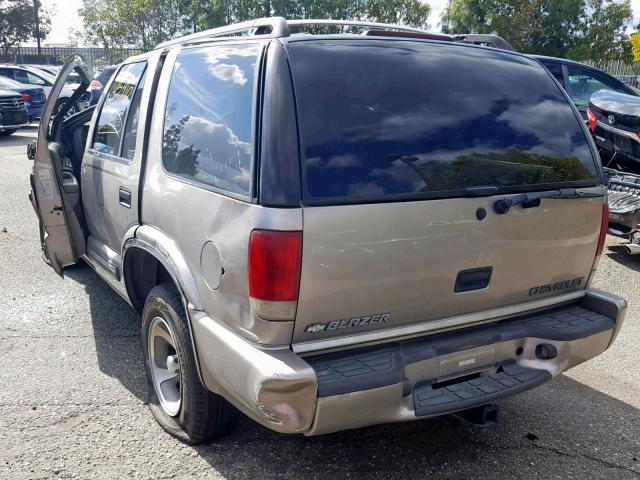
x=270, y=26
x=484, y=39
x=276, y=27
x=354, y=23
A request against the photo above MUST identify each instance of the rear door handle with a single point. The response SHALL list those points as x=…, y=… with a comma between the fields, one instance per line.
x=125, y=197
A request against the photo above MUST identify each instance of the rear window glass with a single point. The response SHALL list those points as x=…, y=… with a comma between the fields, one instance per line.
x=383, y=119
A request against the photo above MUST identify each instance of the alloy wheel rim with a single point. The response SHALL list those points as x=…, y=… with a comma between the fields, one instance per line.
x=165, y=366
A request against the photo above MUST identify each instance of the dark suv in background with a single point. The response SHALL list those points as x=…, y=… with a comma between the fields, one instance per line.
x=13, y=112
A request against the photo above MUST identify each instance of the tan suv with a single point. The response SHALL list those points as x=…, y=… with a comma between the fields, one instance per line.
x=331, y=231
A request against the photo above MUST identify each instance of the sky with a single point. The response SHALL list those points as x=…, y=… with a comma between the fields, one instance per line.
x=67, y=16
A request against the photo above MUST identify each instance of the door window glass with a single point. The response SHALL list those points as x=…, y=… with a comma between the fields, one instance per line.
x=583, y=84
x=131, y=128
x=108, y=130
x=209, y=117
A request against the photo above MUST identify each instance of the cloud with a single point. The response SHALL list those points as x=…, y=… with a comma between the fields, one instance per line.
x=365, y=189
x=227, y=73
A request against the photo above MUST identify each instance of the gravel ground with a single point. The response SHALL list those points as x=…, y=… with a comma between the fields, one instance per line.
x=72, y=392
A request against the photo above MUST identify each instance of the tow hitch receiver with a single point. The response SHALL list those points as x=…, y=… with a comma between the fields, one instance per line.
x=482, y=416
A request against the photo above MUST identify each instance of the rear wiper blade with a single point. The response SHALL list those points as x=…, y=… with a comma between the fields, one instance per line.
x=503, y=205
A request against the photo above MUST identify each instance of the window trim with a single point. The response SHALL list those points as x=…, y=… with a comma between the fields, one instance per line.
x=250, y=197
x=109, y=156
x=342, y=200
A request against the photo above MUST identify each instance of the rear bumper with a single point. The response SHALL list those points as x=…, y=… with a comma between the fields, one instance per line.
x=404, y=380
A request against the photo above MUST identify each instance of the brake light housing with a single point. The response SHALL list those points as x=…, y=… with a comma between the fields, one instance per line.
x=95, y=84
x=275, y=262
x=592, y=120
x=25, y=96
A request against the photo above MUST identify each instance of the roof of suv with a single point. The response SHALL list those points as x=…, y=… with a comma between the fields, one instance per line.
x=278, y=27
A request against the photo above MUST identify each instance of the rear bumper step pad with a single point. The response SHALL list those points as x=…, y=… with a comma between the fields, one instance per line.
x=382, y=365
x=508, y=379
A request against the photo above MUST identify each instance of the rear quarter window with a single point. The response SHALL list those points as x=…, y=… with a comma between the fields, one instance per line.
x=208, y=126
x=404, y=119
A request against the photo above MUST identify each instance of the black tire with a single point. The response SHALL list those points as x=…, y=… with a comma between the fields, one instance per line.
x=6, y=133
x=203, y=415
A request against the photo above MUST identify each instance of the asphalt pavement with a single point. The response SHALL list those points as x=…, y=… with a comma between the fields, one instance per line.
x=73, y=392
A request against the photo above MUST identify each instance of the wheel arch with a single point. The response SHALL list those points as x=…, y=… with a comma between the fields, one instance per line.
x=150, y=258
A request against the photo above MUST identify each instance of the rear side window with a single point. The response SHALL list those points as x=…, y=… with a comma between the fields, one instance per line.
x=115, y=109
x=583, y=83
x=208, y=122
x=406, y=119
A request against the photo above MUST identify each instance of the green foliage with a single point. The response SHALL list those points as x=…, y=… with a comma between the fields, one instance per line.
x=140, y=23
x=604, y=35
x=504, y=169
x=145, y=23
x=634, y=39
x=18, y=22
x=582, y=29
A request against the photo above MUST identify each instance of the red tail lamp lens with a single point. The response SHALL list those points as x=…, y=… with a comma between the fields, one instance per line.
x=592, y=120
x=274, y=265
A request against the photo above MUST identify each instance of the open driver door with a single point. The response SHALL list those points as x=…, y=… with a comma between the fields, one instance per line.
x=55, y=190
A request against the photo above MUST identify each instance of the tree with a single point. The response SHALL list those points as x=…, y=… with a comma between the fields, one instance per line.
x=101, y=24
x=635, y=46
x=224, y=12
x=604, y=35
x=18, y=23
x=139, y=23
x=145, y=23
x=581, y=29
x=533, y=26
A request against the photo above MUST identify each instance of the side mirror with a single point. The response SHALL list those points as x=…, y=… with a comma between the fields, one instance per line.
x=31, y=150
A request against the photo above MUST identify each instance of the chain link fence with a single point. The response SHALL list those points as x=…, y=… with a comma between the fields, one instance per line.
x=97, y=57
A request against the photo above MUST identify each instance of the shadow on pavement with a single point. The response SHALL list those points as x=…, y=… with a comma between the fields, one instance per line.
x=562, y=426
x=17, y=139
x=618, y=254
x=116, y=328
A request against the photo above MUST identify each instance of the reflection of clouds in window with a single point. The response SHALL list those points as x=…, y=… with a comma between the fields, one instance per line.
x=222, y=158
x=338, y=161
x=229, y=73
x=365, y=189
x=216, y=62
x=546, y=121
x=208, y=124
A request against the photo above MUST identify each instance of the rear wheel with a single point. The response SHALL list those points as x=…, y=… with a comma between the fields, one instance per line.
x=6, y=133
x=177, y=398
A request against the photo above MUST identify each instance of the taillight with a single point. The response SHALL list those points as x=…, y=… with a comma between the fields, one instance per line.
x=25, y=96
x=95, y=84
x=592, y=120
x=274, y=273
x=604, y=226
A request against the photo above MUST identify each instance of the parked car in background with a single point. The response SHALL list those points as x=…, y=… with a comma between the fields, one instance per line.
x=98, y=83
x=34, y=98
x=13, y=112
x=37, y=78
x=50, y=69
x=329, y=261
x=580, y=81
